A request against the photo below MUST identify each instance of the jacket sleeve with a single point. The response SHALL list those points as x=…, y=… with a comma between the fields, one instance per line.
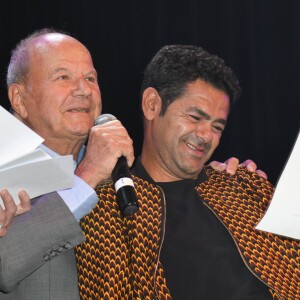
x=46, y=231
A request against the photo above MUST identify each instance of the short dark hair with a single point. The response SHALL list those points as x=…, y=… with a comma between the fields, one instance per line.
x=174, y=66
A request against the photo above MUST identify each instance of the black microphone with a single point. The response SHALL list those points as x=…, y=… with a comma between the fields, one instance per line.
x=124, y=186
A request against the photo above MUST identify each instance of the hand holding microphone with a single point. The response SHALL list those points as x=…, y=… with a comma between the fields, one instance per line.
x=106, y=143
x=122, y=179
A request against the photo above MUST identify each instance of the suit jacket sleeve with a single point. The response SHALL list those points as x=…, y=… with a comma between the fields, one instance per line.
x=46, y=231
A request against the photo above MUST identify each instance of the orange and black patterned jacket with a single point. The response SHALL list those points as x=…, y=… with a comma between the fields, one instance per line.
x=120, y=257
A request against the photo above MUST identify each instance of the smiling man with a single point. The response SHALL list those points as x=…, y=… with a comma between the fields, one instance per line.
x=59, y=98
x=179, y=142
x=187, y=94
x=194, y=235
x=53, y=89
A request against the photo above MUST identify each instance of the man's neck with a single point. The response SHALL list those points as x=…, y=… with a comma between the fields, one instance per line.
x=159, y=172
x=65, y=148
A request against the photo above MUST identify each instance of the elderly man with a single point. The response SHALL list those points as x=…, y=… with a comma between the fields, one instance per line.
x=53, y=89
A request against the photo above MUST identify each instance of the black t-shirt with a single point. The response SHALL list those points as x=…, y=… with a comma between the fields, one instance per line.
x=199, y=256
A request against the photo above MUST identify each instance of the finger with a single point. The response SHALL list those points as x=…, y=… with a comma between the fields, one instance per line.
x=218, y=165
x=262, y=174
x=112, y=127
x=249, y=164
x=10, y=208
x=9, y=204
x=2, y=218
x=25, y=204
x=231, y=165
x=128, y=151
x=130, y=159
x=121, y=145
x=112, y=123
x=3, y=227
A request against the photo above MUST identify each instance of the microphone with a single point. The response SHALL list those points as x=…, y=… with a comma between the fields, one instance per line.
x=124, y=186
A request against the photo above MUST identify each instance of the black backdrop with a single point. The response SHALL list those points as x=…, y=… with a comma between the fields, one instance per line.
x=259, y=39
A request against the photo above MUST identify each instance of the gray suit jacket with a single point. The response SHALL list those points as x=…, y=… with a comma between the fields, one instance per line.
x=37, y=260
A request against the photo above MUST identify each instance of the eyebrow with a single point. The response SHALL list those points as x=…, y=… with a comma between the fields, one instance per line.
x=57, y=70
x=61, y=69
x=94, y=72
x=206, y=116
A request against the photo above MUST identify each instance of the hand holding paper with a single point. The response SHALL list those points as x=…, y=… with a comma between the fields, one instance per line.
x=23, y=166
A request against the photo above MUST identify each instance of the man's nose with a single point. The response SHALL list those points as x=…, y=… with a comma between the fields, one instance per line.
x=204, y=131
x=83, y=88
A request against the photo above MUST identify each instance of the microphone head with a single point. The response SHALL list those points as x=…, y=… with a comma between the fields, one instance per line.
x=104, y=119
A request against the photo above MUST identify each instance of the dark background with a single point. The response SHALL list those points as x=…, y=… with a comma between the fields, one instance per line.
x=259, y=39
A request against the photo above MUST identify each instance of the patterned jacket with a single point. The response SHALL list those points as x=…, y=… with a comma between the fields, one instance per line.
x=120, y=257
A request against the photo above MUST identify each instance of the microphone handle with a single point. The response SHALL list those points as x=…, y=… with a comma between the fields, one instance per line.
x=124, y=186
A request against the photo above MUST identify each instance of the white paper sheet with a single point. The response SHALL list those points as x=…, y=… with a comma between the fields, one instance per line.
x=33, y=156
x=16, y=139
x=283, y=214
x=38, y=177
x=24, y=166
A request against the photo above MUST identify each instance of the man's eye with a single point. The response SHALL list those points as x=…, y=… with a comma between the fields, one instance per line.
x=219, y=128
x=63, y=77
x=91, y=79
x=194, y=117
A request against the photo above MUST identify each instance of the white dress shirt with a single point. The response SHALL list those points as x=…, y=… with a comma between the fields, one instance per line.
x=81, y=198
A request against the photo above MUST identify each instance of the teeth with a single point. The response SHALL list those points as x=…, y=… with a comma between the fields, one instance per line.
x=193, y=147
x=190, y=146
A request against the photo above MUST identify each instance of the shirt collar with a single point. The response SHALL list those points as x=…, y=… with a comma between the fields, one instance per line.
x=54, y=154
x=140, y=171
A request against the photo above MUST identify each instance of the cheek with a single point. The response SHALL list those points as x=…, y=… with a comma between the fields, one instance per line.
x=180, y=128
x=174, y=132
x=49, y=112
x=43, y=103
x=98, y=110
x=162, y=136
x=97, y=103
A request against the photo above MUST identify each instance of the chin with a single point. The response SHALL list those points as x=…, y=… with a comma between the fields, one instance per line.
x=80, y=131
x=82, y=128
x=193, y=169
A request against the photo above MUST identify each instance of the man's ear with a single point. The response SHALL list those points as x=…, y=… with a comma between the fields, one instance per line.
x=151, y=103
x=15, y=94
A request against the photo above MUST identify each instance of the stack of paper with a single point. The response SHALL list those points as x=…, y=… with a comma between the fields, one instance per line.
x=24, y=166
